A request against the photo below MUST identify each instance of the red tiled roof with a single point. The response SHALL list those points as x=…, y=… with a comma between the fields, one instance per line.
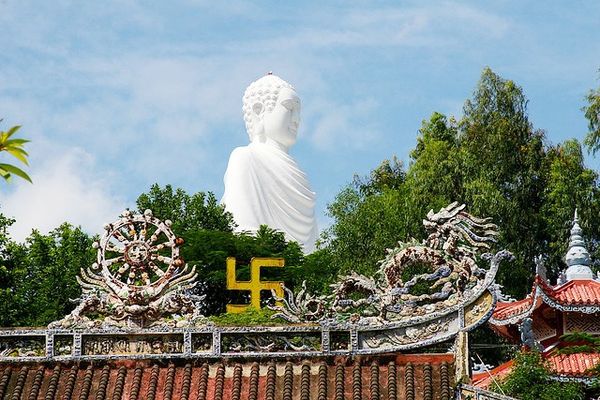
x=485, y=379
x=577, y=364
x=584, y=292
x=506, y=310
x=575, y=292
x=418, y=377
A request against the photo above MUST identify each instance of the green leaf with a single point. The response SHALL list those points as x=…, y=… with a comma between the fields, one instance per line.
x=12, y=131
x=19, y=154
x=17, y=171
x=16, y=142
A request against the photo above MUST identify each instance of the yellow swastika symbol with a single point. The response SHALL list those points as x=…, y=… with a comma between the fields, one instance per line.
x=254, y=285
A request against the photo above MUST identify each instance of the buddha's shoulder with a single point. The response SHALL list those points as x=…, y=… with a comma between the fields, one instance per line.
x=240, y=154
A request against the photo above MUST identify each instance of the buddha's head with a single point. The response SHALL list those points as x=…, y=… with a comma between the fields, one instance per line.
x=271, y=109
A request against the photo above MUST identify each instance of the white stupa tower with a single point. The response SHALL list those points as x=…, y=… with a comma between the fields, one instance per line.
x=577, y=258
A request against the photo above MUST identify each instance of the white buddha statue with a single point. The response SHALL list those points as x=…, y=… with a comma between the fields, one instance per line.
x=263, y=183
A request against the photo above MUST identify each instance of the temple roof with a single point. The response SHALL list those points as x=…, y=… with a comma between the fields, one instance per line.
x=402, y=376
x=574, y=292
x=576, y=295
x=577, y=290
x=506, y=310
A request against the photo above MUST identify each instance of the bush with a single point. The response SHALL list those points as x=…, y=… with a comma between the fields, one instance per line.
x=530, y=379
x=250, y=317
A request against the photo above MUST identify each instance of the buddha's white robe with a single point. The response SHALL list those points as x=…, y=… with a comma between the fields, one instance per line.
x=265, y=186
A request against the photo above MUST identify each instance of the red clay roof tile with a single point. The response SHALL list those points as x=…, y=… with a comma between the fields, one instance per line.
x=507, y=310
x=575, y=292
x=425, y=375
x=577, y=364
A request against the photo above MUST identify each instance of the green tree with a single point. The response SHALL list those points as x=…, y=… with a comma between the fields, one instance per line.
x=8, y=311
x=592, y=114
x=368, y=218
x=570, y=185
x=503, y=171
x=42, y=275
x=531, y=380
x=187, y=212
x=14, y=147
x=495, y=162
x=434, y=176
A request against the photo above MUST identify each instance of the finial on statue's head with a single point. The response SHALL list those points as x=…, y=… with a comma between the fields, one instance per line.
x=260, y=98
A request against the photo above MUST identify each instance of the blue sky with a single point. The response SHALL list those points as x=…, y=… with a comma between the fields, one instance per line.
x=118, y=95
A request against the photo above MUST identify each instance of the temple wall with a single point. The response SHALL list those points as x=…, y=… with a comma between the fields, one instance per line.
x=578, y=322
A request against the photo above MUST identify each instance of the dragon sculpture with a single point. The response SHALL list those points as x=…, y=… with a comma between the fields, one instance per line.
x=414, y=279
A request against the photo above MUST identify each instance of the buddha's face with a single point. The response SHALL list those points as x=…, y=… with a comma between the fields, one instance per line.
x=281, y=123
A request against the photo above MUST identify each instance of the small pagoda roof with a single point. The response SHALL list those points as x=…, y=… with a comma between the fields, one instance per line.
x=577, y=290
x=576, y=296
x=577, y=365
x=506, y=312
x=580, y=292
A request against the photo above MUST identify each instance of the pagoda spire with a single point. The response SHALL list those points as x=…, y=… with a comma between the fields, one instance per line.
x=577, y=257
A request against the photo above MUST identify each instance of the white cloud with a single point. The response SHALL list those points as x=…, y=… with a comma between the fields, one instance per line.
x=336, y=126
x=64, y=189
x=430, y=25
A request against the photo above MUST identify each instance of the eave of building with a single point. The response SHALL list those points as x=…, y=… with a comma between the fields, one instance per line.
x=485, y=379
x=580, y=295
x=509, y=313
x=574, y=296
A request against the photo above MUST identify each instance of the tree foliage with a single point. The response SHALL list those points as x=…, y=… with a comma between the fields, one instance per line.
x=570, y=185
x=14, y=147
x=39, y=275
x=592, y=114
x=187, y=212
x=495, y=162
x=530, y=380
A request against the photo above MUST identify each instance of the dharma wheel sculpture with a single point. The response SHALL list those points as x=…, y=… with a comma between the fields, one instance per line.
x=139, y=279
x=138, y=250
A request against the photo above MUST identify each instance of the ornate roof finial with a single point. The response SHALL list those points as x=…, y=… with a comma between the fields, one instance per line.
x=540, y=267
x=577, y=258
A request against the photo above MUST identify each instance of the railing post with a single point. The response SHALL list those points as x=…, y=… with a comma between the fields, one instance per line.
x=77, y=345
x=187, y=343
x=217, y=342
x=325, y=341
x=49, y=344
